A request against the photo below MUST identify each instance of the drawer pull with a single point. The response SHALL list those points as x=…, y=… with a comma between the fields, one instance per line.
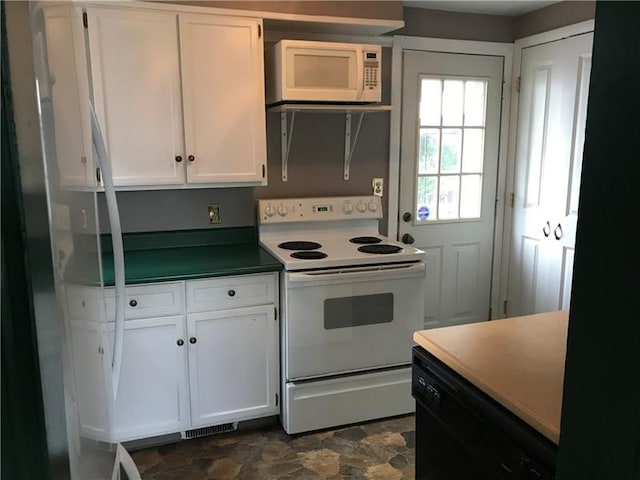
x=180, y=342
x=193, y=340
x=231, y=293
x=133, y=302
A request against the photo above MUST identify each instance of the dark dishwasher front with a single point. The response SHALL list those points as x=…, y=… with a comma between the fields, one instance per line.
x=463, y=434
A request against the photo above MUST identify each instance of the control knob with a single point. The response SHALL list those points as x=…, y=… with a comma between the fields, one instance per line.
x=347, y=207
x=373, y=206
x=361, y=206
x=269, y=210
x=282, y=210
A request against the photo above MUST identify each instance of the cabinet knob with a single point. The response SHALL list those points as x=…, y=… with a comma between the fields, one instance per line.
x=178, y=158
x=133, y=302
x=191, y=158
x=231, y=293
x=193, y=340
x=180, y=342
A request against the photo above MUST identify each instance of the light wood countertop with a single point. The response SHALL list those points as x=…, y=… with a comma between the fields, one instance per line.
x=518, y=361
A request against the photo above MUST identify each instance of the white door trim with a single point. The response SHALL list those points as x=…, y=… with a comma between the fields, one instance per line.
x=501, y=283
x=452, y=46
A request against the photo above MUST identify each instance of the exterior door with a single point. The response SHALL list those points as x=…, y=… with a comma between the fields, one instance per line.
x=448, y=172
x=550, y=137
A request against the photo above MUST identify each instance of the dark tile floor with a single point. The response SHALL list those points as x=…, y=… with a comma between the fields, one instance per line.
x=378, y=450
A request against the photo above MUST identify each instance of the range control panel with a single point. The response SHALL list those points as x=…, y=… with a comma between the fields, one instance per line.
x=284, y=210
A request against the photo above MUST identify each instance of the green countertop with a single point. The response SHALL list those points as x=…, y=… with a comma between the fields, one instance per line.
x=183, y=255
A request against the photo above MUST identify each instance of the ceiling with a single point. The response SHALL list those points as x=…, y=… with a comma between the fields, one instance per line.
x=491, y=7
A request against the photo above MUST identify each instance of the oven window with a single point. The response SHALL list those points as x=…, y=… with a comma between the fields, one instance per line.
x=358, y=311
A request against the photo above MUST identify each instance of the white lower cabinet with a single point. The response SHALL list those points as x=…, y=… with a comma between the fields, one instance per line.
x=233, y=364
x=153, y=392
x=180, y=369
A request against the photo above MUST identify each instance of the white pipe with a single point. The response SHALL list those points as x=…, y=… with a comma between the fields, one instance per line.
x=118, y=250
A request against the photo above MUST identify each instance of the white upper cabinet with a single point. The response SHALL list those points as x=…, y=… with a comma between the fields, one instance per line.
x=180, y=97
x=223, y=94
x=62, y=59
x=136, y=86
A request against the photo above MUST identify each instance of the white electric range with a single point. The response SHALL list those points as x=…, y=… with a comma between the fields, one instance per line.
x=350, y=302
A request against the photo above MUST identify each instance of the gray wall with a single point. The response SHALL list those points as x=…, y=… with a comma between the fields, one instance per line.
x=382, y=9
x=422, y=22
x=554, y=16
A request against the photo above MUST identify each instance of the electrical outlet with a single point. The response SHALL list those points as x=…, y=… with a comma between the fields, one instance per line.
x=214, y=213
x=378, y=186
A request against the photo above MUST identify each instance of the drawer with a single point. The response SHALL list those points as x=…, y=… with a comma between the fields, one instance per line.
x=85, y=303
x=231, y=292
x=147, y=301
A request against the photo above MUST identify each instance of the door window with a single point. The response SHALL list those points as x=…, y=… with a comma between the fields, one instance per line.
x=450, y=148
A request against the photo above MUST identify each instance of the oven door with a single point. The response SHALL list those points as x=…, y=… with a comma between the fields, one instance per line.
x=339, y=321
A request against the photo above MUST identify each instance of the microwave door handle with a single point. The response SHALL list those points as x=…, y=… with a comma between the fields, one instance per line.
x=360, y=70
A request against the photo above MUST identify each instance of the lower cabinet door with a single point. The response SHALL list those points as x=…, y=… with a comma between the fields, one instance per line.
x=152, y=395
x=233, y=364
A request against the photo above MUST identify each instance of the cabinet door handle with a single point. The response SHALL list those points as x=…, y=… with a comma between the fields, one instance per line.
x=133, y=302
x=557, y=232
x=546, y=230
x=193, y=340
x=231, y=293
x=191, y=158
x=178, y=158
x=180, y=342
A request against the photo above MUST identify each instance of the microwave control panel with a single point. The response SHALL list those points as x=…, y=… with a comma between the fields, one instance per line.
x=371, y=69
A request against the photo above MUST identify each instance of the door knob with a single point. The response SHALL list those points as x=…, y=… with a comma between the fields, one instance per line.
x=406, y=216
x=178, y=158
x=546, y=230
x=408, y=239
x=191, y=158
x=180, y=342
x=192, y=340
x=557, y=232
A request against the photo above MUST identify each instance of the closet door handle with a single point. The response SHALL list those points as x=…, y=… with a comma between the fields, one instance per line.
x=546, y=230
x=191, y=158
x=180, y=342
x=557, y=232
x=192, y=340
x=178, y=158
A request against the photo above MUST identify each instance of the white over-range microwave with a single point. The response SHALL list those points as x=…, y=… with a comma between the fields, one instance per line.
x=306, y=71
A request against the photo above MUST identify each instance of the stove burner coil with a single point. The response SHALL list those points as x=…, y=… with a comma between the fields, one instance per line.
x=367, y=240
x=380, y=249
x=299, y=245
x=309, y=255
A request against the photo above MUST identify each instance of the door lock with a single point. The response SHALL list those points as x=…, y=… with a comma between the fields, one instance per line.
x=408, y=239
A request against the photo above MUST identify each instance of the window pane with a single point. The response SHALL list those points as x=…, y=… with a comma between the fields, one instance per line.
x=429, y=151
x=452, y=102
x=426, y=206
x=451, y=147
x=449, y=197
x=472, y=150
x=471, y=196
x=474, y=102
x=430, y=99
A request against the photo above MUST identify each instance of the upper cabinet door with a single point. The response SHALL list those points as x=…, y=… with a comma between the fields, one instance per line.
x=63, y=79
x=223, y=94
x=136, y=87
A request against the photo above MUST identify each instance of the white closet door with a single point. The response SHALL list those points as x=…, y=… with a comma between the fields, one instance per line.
x=224, y=108
x=136, y=82
x=550, y=138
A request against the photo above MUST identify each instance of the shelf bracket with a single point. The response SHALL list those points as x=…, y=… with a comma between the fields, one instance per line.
x=349, y=144
x=285, y=141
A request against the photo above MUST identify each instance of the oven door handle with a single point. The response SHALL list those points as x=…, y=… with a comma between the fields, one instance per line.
x=374, y=272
